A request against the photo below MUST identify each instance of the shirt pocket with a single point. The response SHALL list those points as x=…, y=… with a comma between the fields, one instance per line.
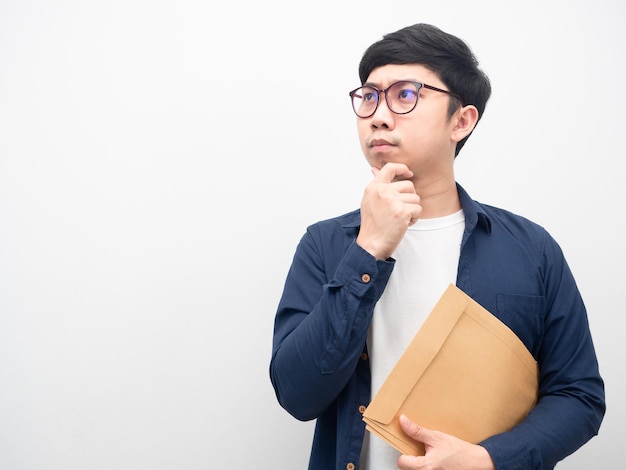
x=524, y=314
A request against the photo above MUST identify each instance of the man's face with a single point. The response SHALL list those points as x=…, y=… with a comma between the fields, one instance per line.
x=420, y=139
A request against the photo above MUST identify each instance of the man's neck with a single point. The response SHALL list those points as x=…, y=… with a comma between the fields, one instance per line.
x=438, y=197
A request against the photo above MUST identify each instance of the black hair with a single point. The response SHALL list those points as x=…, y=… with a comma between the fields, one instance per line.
x=449, y=57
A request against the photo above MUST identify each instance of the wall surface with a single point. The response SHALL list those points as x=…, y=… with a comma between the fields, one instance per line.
x=159, y=161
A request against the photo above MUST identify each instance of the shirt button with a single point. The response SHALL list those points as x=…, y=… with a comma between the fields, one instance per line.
x=363, y=356
x=350, y=466
x=366, y=278
x=362, y=409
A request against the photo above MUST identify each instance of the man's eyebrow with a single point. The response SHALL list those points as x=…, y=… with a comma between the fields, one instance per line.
x=396, y=80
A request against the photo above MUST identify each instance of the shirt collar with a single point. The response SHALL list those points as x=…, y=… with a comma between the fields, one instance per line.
x=475, y=214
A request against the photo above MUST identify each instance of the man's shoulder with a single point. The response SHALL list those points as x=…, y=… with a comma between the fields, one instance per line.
x=512, y=222
x=506, y=214
x=350, y=219
x=336, y=231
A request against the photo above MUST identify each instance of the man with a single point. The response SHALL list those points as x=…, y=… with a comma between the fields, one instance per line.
x=361, y=284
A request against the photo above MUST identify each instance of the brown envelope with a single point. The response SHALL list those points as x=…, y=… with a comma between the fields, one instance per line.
x=464, y=373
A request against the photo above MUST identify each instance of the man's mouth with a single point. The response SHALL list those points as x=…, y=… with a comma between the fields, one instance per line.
x=372, y=142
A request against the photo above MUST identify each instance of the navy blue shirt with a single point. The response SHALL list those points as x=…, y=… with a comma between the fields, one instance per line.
x=511, y=266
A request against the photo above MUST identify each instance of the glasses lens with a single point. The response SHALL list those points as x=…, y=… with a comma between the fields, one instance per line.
x=364, y=101
x=402, y=97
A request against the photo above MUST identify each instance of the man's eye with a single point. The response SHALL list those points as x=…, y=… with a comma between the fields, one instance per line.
x=407, y=95
x=369, y=96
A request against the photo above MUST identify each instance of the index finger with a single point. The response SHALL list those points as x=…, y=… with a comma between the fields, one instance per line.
x=392, y=172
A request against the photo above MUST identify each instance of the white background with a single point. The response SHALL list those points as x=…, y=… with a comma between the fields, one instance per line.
x=159, y=161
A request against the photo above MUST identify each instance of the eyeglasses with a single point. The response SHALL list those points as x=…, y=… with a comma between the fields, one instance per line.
x=401, y=97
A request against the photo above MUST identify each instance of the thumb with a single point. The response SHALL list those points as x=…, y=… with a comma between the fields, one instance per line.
x=415, y=431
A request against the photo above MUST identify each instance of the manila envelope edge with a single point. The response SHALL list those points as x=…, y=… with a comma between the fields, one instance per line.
x=404, y=445
x=381, y=414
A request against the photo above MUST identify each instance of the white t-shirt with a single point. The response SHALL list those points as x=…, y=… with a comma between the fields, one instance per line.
x=427, y=260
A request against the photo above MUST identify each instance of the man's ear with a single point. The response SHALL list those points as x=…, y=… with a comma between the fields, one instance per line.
x=465, y=120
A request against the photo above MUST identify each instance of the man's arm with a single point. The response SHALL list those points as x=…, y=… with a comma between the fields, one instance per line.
x=322, y=322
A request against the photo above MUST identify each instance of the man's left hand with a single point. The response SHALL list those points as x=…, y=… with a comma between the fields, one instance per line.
x=443, y=451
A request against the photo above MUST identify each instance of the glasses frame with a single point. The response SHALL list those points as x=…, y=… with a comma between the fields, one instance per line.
x=418, y=85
